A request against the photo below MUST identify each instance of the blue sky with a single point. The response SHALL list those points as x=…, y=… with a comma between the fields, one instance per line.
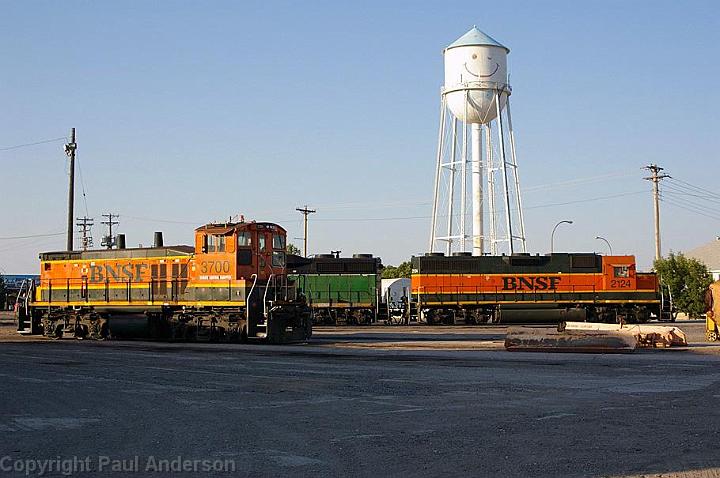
x=188, y=112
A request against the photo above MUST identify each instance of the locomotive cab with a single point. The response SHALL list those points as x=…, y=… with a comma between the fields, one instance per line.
x=619, y=273
x=240, y=251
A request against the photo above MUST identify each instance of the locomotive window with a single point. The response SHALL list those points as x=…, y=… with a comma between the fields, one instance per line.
x=621, y=271
x=278, y=259
x=216, y=243
x=278, y=242
x=244, y=239
x=244, y=257
x=261, y=241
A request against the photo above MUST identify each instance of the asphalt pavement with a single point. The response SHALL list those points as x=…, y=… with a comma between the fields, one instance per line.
x=333, y=409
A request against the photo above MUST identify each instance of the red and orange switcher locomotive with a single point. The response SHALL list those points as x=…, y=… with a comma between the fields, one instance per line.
x=232, y=285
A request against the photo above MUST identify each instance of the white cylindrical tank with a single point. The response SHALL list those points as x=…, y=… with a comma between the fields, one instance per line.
x=475, y=68
x=393, y=291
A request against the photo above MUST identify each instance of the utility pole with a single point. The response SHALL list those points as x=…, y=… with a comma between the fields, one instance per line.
x=84, y=224
x=305, y=212
x=108, y=240
x=70, y=151
x=656, y=177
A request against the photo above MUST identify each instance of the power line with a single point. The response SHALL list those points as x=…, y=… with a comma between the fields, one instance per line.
x=578, y=181
x=151, y=219
x=699, y=208
x=599, y=198
x=706, y=191
x=681, y=197
x=82, y=184
x=26, y=145
x=691, y=193
x=689, y=209
x=10, y=238
x=32, y=243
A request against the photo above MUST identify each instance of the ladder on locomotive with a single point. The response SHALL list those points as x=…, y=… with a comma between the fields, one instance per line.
x=274, y=282
x=668, y=313
x=22, y=309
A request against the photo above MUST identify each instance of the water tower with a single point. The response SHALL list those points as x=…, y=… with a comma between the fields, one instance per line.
x=473, y=141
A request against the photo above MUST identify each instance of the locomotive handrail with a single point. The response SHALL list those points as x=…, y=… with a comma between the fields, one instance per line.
x=252, y=288
x=265, y=296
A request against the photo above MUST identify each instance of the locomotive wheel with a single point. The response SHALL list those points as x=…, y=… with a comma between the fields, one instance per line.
x=52, y=329
x=95, y=330
x=81, y=331
x=429, y=316
x=56, y=331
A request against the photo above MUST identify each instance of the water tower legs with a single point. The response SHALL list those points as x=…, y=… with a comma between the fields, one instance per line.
x=490, y=167
x=438, y=173
x=476, y=182
x=477, y=190
x=518, y=196
x=503, y=167
x=452, y=167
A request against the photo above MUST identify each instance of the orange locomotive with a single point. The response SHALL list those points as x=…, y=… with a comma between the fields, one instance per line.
x=521, y=287
x=231, y=285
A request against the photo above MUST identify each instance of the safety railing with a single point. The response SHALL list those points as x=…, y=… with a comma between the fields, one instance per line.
x=170, y=290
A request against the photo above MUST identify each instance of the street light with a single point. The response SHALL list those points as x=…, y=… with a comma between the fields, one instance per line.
x=552, y=236
x=606, y=242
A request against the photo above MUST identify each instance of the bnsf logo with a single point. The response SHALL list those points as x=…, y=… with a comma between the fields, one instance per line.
x=530, y=283
x=126, y=271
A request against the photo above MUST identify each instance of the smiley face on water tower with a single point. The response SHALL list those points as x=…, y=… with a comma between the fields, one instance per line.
x=475, y=65
x=475, y=72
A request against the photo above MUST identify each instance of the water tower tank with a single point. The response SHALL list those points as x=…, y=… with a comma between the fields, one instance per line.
x=475, y=61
